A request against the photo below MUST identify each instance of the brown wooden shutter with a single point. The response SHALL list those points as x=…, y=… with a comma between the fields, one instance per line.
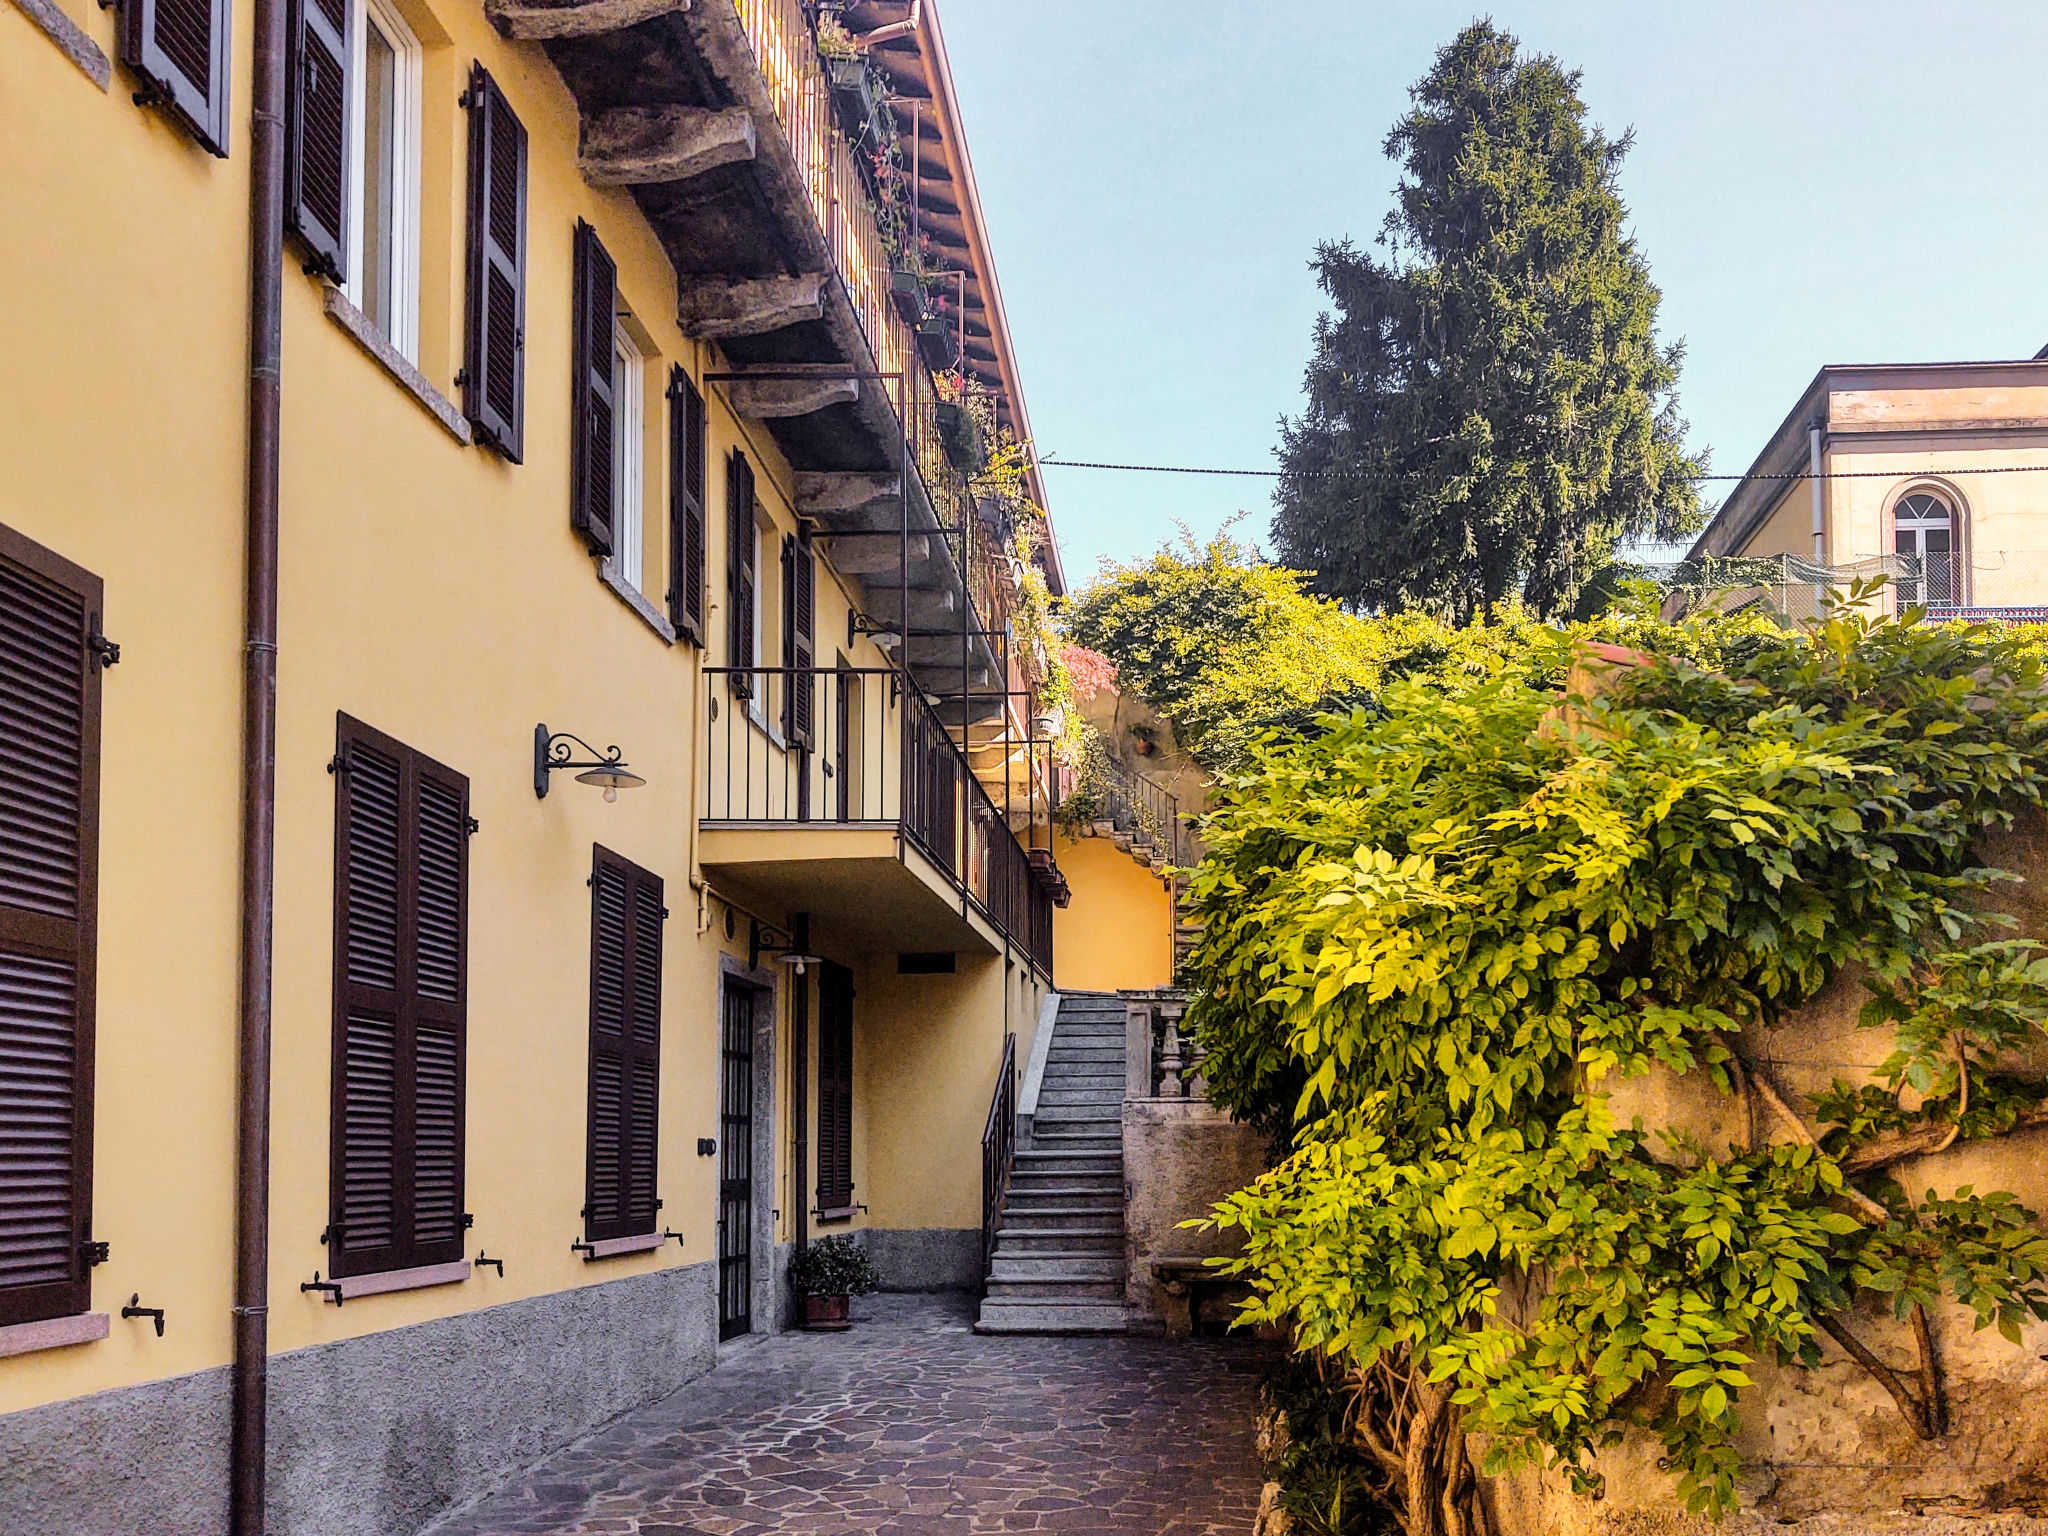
x=181, y=48
x=401, y=885
x=626, y=915
x=317, y=98
x=799, y=636
x=835, y=1089
x=685, y=508
x=591, y=399
x=494, y=357
x=742, y=546
x=49, y=862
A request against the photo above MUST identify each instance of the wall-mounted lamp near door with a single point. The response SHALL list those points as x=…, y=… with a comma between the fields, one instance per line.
x=797, y=953
x=552, y=751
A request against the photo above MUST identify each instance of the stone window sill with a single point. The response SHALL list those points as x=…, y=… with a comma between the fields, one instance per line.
x=77, y=47
x=371, y=340
x=451, y=1273
x=619, y=1247
x=635, y=599
x=52, y=1333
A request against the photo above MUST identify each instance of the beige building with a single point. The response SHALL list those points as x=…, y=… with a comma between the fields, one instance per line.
x=1933, y=474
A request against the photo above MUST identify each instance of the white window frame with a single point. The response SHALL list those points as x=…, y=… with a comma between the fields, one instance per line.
x=629, y=433
x=405, y=204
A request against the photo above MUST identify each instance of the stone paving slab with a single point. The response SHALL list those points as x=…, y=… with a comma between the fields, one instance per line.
x=912, y=1425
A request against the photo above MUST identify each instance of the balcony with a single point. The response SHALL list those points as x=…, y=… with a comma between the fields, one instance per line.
x=840, y=792
x=718, y=116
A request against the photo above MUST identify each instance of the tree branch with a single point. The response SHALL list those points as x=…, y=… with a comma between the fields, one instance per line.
x=1914, y=1412
x=1930, y=1376
x=1775, y=1102
x=1919, y=1141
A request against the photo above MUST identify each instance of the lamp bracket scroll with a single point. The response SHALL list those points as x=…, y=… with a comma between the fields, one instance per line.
x=553, y=750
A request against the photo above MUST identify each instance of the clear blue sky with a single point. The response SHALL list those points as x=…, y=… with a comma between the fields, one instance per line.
x=1814, y=181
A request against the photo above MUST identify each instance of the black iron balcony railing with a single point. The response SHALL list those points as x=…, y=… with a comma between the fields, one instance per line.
x=859, y=747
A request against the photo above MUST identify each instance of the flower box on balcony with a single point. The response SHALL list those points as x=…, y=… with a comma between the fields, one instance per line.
x=907, y=292
x=937, y=341
x=853, y=93
x=960, y=436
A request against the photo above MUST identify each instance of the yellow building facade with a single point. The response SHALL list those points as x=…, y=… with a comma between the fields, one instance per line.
x=609, y=446
x=1930, y=475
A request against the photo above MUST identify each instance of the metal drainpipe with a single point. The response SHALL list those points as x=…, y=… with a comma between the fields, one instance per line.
x=1820, y=536
x=247, y=1448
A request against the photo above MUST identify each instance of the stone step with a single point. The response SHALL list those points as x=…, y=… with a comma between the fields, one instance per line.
x=1097, y=1203
x=1066, y=1163
x=1079, y=1117
x=1052, y=1316
x=1081, y=1138
x=1017, y=1243
x=1079, y=1221
x=1111, y=1073
x=1056, y=1290
x=1048, y=1268
x=1070, y=1188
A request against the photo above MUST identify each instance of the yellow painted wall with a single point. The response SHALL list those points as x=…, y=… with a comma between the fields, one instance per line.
x=123, y=330
x=438, y=594
x=926, y=1051
x=1117, y=933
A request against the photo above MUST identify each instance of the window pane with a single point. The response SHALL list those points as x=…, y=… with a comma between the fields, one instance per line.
x=628, y=523
x=380, y=175
x=1905, y=542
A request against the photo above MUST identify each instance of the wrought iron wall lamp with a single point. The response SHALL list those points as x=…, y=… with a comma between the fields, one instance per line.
x=797, y=953
x=607, y=769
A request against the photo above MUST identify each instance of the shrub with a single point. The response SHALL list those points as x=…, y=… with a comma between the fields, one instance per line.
x=833, y=1266
x=1432, y=936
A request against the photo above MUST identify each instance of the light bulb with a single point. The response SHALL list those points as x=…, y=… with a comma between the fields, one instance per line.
x=611, y=794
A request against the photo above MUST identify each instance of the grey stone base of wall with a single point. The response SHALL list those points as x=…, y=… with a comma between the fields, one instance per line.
x=374, y=1436
x=1181, y=1156
x=925, y=1258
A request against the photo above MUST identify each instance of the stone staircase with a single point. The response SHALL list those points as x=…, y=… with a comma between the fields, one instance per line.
x=1059, y=1258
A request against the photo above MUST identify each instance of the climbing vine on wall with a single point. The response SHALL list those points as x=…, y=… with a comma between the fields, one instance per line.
x=1436, y=937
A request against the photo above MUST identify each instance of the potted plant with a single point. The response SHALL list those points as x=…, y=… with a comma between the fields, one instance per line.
x=827, y=1275
x=906, y=288
x=960, y=436
x=938, y=342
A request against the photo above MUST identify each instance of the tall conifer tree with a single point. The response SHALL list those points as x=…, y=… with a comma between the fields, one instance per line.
x=1490, y=412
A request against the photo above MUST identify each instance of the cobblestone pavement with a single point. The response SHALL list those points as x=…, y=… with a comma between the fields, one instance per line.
x=911, y=1425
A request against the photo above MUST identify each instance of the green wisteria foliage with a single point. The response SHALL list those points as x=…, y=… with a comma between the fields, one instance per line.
x=1435, y=937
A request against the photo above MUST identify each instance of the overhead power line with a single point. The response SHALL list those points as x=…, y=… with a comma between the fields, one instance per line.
x=1416, y=474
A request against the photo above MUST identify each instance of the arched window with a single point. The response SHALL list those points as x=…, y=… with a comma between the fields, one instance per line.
x=1924, y=526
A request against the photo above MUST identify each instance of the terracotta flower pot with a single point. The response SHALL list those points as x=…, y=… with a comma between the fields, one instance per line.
x=826, y=1314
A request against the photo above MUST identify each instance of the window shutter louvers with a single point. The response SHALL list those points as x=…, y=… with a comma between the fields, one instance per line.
x=181, y=47
x=626, y=915
x=494, y=363
x=318, y=98
x=686, y=508
x=49, y=846
x=800, y=633
x=835, y=1088
x=401, y=890
x=741, y=547
x=591, y=400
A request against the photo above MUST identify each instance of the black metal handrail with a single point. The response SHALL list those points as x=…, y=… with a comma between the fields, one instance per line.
x=998, y=1153
x=875, y=753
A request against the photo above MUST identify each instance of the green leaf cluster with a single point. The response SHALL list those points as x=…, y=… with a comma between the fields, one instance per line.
x=1435, y=936
x=1231, y=647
